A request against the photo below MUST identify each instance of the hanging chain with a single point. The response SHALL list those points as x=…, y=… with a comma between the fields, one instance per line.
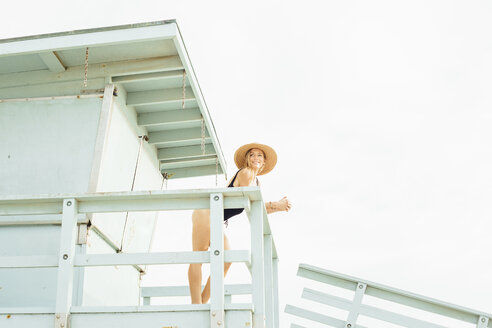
x=165, y=177
x=203, y=137
x=86, y=68
x=184, y=89
x=216, y=171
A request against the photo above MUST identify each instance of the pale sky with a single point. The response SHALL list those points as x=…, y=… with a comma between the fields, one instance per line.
x=380, y=112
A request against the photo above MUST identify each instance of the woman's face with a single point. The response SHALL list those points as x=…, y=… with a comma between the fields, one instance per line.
x=256, y=159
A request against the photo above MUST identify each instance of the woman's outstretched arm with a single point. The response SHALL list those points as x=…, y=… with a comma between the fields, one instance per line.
x=246, y=178
x=279, y=206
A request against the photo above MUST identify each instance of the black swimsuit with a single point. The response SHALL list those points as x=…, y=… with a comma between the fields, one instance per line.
x=230, y=212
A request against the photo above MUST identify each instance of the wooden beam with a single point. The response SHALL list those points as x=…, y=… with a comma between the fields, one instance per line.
x=156, y=258
x=52, y=61
x=158, y=96
x=148, y=76
x=184, y=152
x=169, y=137
x=170, y=117
x=188, y=162
x=29, y=209
x=82, y=39
x=47, y=90
x=34, y=219
x=102, y=70
x=188, y=172
x=127, y=201
x=236, y=289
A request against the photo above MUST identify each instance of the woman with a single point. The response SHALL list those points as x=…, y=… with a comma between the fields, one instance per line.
x=252, y=160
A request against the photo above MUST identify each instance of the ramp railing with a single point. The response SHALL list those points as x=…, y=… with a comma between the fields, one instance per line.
x=415, y=305
x=261, y=259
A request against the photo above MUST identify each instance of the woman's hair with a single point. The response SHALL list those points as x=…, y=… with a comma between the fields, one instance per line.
x=247, y=157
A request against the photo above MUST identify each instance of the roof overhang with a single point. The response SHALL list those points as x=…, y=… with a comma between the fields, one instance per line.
x=154, y=76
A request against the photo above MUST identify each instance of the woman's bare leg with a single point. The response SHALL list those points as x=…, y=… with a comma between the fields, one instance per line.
x=206, y=290
x=201, y=242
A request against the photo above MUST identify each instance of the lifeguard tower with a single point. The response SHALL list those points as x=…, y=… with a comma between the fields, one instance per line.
x=92, y=125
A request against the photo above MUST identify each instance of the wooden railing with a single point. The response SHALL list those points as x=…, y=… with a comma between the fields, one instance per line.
x=261, y=259
x=357, y=306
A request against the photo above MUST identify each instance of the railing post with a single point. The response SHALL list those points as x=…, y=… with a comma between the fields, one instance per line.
x=217, y=261
x=354, y=310
x=80, y=249
x=68, y=235
x=269, y=308
x=482, y=322
x=275, y=293
x=257, y=264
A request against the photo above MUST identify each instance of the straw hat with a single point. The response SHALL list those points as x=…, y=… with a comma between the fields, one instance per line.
x=270, y=156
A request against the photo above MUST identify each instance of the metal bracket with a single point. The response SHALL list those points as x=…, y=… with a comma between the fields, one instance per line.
x=482, y=322
x=354, y=311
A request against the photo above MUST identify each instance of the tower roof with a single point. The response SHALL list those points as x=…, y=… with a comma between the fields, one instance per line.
x=153, y=74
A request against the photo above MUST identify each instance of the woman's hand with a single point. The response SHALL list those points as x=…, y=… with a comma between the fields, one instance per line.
x=284, y=204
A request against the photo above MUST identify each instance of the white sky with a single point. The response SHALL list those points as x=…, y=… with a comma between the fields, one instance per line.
x=380, y=112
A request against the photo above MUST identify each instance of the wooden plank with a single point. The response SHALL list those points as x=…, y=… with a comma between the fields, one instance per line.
x=165, y=137
x=27, y=209
x=254, y=193
x=47, y=98
x=107, y=206
x=140, y=98
x=188, y=162
x=275, y=292
x=102, y=70
x=236, y=289
x=188, y=172
x=53, y=91
x=170, y=117
x=148, y=76
x=52, y=61
x=36, y=220
x=157, y=308
x=141, y=309
x=158, y=319
x=64, y=286
x=69, y=40
x=217, y=315
x=269, y=288
x=102, y=136
x=356, y=304
x=142, y=258
x=185, y=152
x=257, y=264
x=125, y=201
x=334, y=280
x=233, y=256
